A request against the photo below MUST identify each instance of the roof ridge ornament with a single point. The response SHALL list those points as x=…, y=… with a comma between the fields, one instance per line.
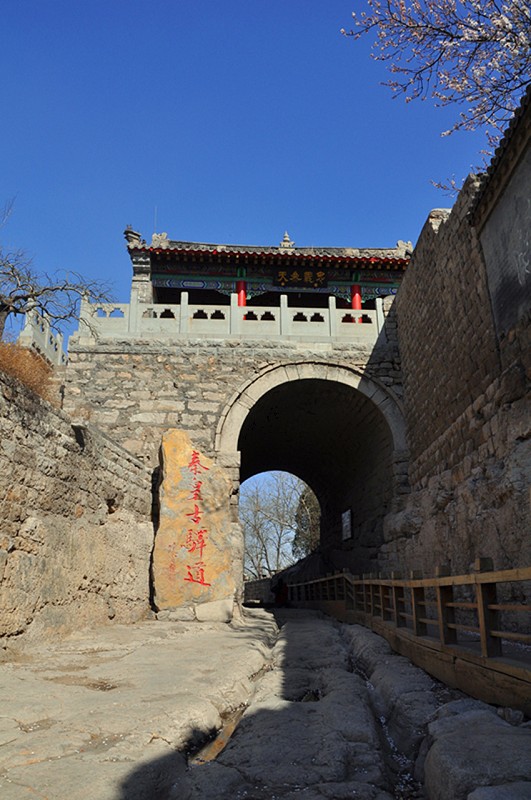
x=160, y=240
x=133, y=238
x=286, y=243
x=404, y=249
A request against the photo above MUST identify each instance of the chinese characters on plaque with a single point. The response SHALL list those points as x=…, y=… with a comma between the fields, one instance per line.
x=301, y=278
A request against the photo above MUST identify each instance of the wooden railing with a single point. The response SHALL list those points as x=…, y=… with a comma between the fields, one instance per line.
x=459, y=616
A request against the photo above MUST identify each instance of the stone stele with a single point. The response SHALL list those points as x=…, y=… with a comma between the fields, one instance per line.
x=192, y=556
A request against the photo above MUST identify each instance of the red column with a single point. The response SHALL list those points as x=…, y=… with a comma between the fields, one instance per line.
x=241, y=288
x=355, y=298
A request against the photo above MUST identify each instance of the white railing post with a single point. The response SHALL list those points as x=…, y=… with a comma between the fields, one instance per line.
x=28, y=319
x=285, y=321
x=380, y=319
x=61, y=358
x=332, y=325
x=28, y=334
x=133, y=321
x=87, y=319
x=184, y=316
x=235, y=315
x=46, y=331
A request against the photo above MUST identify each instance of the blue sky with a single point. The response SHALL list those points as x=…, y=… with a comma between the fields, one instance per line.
x=230, y=121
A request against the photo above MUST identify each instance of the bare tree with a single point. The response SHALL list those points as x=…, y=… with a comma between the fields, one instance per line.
x=472, y=53
x=56, y=296
x=307, y=524
x=268, y=514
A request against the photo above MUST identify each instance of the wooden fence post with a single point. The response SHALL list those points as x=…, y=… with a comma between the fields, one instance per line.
x=366, y=594
x=398, y=600
x=417, y=607
x=446, y=613
x=350, y=594
x=381, y=597
x=387, y=603
x=373, y=590
x=487, y=617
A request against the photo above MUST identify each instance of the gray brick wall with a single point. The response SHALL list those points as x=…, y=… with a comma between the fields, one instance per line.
x=447, y=339
x=466, y=397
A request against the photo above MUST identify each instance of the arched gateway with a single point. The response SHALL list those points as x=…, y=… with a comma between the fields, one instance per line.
x=338, y=430
x=243, y=360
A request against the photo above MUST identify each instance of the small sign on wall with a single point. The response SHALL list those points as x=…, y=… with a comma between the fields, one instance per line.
x=346, y=525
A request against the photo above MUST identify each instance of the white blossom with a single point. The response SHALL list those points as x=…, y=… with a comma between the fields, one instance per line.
x=474, y=53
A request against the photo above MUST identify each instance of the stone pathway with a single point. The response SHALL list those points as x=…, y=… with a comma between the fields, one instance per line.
x=78, y=716
x=328, y=712
x=308, y=732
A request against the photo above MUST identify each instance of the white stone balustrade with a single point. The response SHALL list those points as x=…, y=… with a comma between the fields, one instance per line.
x=150, y=320
x=38, y=335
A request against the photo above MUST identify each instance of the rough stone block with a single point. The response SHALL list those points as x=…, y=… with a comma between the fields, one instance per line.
x=179, y=615
x=153, y=418
x=192, y=557
x=475, y=749
x=215, y=611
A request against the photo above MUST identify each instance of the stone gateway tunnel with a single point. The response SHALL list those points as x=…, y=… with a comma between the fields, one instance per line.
x=341, y=433
x=393, y=381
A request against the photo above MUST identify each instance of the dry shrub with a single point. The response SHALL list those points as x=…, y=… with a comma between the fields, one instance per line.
x=28, y=367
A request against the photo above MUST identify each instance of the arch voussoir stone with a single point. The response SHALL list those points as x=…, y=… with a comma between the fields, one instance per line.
x=235, y=413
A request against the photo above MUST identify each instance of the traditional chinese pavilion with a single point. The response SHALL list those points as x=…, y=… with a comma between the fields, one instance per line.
x=309, y=276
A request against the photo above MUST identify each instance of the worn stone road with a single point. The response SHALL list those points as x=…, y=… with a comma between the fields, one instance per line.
x=328, y=712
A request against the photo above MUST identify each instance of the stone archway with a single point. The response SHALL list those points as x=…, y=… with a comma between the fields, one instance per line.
x=339, y=431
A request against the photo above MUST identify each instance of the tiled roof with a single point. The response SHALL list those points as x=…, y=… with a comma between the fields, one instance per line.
x=160, y=244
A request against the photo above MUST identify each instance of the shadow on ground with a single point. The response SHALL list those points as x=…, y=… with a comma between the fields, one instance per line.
x=308, y=729
x=161, y=779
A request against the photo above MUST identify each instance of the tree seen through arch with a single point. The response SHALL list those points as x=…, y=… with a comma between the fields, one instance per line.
x=280, y=517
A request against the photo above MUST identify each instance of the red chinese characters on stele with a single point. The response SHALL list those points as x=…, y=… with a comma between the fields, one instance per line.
x=195, y=515
x=196, y=537
x=196, y=541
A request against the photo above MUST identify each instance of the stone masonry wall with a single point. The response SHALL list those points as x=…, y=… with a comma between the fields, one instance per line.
x=76, y=535
x=135, y=390
x=447, y=338
x=467, y=408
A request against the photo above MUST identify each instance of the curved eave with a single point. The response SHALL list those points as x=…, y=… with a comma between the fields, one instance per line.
x=343, y=262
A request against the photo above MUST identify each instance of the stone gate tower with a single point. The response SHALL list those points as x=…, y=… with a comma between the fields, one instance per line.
x=241, y=360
